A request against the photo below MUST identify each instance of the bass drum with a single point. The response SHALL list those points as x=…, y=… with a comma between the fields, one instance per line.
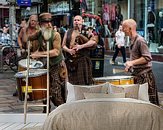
x=37, y=80
x=33, y=64
x=116, y=80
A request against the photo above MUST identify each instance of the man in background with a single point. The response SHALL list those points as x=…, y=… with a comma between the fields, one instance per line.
x=120, y=45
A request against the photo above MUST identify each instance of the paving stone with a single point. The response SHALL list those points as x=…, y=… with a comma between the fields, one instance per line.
x=7, y=101
x=18, y=107
x=5, y=108
x=4, y=105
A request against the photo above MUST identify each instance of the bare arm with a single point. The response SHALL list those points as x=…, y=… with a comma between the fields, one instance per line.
x=65, y=48
x=139, y=61
x=56, y=45
x=24, y=34
x=20, y=39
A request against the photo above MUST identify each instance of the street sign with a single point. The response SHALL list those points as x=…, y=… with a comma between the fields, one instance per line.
x=24, y=3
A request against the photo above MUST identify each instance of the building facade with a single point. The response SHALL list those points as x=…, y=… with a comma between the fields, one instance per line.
x=147, y=13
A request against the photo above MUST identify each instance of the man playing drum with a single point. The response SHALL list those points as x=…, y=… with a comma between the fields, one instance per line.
x=31, y=28
x=140, y=60
x=57, y=70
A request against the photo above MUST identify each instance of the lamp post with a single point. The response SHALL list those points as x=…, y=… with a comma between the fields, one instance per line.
x=12, y=15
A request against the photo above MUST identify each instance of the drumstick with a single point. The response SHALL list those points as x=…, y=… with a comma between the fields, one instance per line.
x=38, y=55
x=115, y=71
x=47, y=34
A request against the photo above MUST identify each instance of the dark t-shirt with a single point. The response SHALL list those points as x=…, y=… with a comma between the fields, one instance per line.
x=139, y=49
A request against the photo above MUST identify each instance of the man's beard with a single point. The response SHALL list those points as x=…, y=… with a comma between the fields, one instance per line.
x=43, y=30
x=46, y=32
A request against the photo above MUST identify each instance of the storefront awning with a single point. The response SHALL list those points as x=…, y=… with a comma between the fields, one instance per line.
x=7, y=7
x=56, y=14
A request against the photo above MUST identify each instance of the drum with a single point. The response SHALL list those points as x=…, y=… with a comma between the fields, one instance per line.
x=116, y=80
x=37, y=80
x=33, y=64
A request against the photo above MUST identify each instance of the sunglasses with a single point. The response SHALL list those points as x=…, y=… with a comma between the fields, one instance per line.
x=46, y=21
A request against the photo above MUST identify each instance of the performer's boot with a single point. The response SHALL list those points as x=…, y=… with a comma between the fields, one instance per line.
x=15, y=93
x=44, y=107
x=56, y=101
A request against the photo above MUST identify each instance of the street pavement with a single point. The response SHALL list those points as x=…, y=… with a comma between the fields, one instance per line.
x=11, y=104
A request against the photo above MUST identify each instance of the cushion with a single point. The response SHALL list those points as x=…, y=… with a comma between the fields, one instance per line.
x=70, y=92
x=137, y=91
x=103, y=95
x=76, y=92
x=143, y=92
x=131, y=90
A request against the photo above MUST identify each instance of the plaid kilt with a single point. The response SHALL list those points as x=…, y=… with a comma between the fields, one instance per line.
x=80, y=71
x=147, y=77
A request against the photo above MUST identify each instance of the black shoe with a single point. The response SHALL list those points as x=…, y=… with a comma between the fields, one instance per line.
x=112, y=62
x=15, y=93
x=44, y=108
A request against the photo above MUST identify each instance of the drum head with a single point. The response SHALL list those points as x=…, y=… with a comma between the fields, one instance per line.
x=116, y=80
x=33, y=64
x=113, y=77
x=32, y=73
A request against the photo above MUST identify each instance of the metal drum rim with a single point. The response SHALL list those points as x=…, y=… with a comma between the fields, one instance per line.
x=22, y=74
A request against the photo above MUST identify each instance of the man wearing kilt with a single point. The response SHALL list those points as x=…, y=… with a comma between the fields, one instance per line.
x=77, y=46
x=140, y=64
x=57, y=66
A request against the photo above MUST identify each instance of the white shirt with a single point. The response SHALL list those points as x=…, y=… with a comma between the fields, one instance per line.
x=5, y=39
x=120, y=38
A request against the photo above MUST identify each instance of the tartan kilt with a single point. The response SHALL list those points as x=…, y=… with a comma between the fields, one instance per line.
x=57, y=84
x=81, y=72
x=148, y=77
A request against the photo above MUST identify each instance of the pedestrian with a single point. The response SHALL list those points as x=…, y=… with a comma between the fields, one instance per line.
x=140, y=64
x=77, y=53
x=57, y=71
x=5, y=37
x=120, y=45
x=151, y=24
x=161, y=28
x=22, y=24
x=55, y=28
x=62, y=31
